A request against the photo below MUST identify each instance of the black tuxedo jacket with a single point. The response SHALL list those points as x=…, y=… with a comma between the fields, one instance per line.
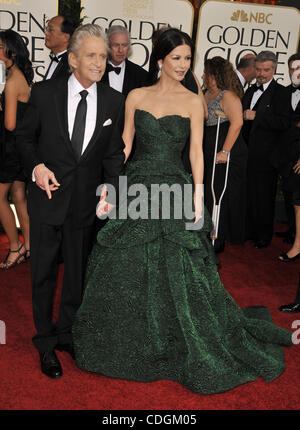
x=273, y=116
x=62, y=69
x=42, y=137
x=135, y=77
x=296, y=112
x=287, y=152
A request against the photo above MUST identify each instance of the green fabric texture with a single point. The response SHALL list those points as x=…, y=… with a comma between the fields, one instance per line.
x=154, y=306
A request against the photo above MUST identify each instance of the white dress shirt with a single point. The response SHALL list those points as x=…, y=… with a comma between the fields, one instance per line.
x=74, y=88
x=295, y=98
x=53, y=65
x=116, y=80
x=258, y=93
x=242, y=79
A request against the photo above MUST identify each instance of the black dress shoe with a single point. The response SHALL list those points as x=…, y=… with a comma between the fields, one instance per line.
x=68, y=347
x=50, y=364
x=262, y=243
x=292, y=308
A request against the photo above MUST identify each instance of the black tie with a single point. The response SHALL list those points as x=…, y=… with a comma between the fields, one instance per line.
x=55, y=58
x=111, y=68
x=79, y=124
x=258, y=87
x=295, y=89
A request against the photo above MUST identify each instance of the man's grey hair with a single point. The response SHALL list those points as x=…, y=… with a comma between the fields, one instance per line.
x=114, y=29
x=266, y=56
x=83, y=31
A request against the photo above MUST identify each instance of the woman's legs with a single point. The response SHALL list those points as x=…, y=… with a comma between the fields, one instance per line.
x=8, y=222
x=18, y=196
x=295, y=249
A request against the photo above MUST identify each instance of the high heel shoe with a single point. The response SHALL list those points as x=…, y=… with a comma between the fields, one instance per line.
x=286, y=259
x=6, y=264
x=27, y=254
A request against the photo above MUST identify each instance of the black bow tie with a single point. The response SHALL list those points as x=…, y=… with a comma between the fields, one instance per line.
x=295, y=89
x=111, y=68
x=258, y=87
x=55, y=58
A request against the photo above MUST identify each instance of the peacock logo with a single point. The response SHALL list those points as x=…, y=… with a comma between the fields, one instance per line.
x=257, y=17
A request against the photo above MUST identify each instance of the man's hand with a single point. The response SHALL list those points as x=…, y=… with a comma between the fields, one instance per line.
x=249, y=114
x=103, y=208
x=45, y=179
x=297, y=167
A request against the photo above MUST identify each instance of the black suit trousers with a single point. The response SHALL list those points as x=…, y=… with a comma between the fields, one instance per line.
x=261, y=197
x=46, y=242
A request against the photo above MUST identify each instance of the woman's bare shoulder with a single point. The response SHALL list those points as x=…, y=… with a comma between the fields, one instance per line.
x=230, y=96
x=136, y=95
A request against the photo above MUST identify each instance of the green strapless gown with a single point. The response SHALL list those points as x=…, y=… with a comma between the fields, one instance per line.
x=154, y=306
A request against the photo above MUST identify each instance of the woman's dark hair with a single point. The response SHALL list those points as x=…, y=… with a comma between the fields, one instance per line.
x=165, y=43
x=223, y=72
x=16, y=50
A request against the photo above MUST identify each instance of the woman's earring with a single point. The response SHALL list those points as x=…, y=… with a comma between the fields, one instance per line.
x=159, y=71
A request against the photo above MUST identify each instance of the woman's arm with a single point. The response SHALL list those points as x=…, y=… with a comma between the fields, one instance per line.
x=232, y=108
x=200, y=93
x=11, y=99
x=129, y=128
x=196, y=153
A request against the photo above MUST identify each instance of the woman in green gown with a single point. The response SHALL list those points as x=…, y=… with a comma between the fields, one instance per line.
x=154, y=306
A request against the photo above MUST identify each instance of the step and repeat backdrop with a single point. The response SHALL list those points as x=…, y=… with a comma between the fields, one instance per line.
x=29, y=19
x=141, y=18
x=233, y=29
x=225, y=28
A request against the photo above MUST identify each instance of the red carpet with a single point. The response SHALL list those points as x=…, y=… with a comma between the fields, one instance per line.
x=251, y=276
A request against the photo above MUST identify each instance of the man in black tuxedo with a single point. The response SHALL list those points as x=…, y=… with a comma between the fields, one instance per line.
x=294, y=89
x=69, y=140
x=121, y=74
x=267, y=110
x=57, y=36
x=245, y=70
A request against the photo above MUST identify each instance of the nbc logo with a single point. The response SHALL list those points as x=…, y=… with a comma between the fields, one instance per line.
x=258, y=17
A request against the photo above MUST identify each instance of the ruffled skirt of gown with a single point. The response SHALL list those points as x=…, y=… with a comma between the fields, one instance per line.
x=154, y=308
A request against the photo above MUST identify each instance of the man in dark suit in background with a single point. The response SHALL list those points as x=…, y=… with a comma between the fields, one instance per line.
x=267, y=111
x=70, y=138
x=122, y=74
x=57, y=36
x=294, y=89
x=246, y=70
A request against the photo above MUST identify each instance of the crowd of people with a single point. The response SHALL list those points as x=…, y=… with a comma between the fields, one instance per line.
x=97, y=116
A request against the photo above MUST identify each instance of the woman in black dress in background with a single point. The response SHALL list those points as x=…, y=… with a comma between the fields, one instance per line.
x=14, y=54
x=223, y=92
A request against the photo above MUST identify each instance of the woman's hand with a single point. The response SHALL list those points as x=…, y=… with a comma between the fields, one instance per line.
x=221, y=157
x=198, y=202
